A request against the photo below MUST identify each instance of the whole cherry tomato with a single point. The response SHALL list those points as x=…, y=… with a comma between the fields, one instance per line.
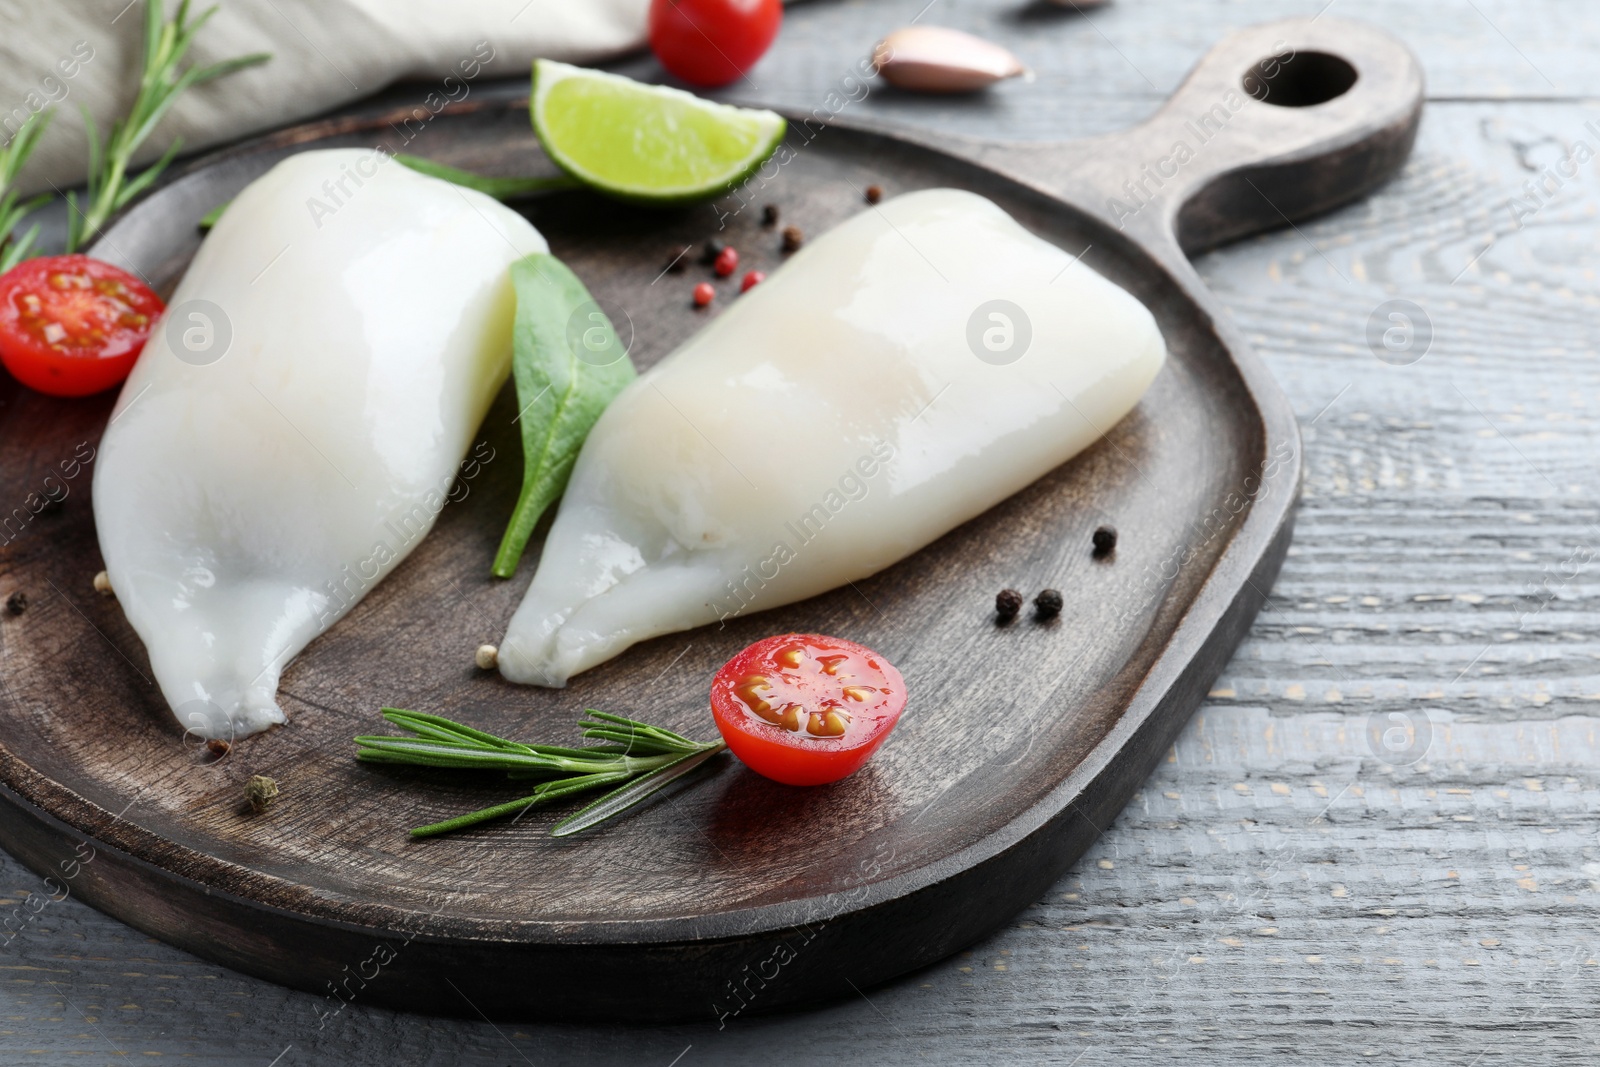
x=72, y=325
x=712, y=42
x=804, y=709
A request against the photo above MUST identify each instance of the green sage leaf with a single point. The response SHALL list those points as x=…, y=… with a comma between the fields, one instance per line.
x=499, y=188
x=568, y=363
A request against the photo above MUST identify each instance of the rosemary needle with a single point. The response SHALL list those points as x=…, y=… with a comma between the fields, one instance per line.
x=552, y=791
x=630, y=795
x=162, y=79
x=638, y=759
x=13, y=248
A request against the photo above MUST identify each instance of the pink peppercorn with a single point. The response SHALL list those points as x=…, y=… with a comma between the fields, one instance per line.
x=752, y=279
x=703, y=294
x=726, y=263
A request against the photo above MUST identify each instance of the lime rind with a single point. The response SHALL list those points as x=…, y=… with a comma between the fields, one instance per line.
x=646, y=143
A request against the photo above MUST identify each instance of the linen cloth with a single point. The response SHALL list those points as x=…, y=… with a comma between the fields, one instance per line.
x=67, y=53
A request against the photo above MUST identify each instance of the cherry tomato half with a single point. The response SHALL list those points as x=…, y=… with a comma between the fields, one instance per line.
x=72, y=325
x=712, y=42
x=804, y=709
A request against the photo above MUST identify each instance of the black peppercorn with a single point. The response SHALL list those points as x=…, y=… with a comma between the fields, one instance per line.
x=1007, y=603
x=874, y=193
x=17, y=602
x=1105, y=541
x=678, y=262
x=1047, y=605
x=792, y=238
x=769, y=215
x=713, y=248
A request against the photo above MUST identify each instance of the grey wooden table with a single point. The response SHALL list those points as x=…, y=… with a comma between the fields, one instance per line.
x=1375, y=842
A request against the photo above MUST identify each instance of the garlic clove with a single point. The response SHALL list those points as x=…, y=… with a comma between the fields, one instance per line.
x=934, y=59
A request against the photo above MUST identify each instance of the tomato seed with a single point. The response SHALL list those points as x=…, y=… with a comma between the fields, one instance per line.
x=828, y=723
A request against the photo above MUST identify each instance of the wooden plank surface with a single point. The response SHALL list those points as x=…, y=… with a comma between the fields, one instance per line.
x=1285, y=887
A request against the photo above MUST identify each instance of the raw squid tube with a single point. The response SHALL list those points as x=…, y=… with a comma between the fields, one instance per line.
x=898, y=376
x=295, y=422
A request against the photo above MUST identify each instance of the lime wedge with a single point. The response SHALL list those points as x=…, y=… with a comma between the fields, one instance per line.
x=642, y=142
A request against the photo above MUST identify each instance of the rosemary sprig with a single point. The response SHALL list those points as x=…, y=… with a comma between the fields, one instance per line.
x=161, y=82
x=13, y=208
x=637, y=758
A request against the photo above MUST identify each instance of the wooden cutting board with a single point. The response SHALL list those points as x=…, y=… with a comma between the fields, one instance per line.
x=734, y=895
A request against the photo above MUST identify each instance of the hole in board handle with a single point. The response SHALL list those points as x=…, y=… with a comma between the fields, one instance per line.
x=1299, y=79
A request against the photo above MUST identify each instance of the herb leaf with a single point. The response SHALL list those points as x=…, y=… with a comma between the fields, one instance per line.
x=630, y=795
x=545, y=794
x=648, y=759
x=568, y=364
x=14, y=249
x=161, y=82
x=209, y=219
x=499, y=188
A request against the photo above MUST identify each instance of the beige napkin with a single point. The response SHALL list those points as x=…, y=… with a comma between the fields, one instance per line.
x=68, y=53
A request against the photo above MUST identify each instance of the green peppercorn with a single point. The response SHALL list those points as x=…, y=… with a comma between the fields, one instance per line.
x=259, y=792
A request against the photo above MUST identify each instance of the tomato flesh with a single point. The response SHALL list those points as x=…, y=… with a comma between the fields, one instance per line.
x=72, y=325
x=712, y=42
x=804, y=709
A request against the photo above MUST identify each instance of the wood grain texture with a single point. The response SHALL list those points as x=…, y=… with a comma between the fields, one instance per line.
x=1265, y=911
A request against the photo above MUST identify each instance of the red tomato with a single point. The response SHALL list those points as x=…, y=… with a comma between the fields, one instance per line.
x=804, y=709
x=71, y=325
x=712, y=42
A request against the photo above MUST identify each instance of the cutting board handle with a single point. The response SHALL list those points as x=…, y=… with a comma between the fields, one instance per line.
x=1276, y=123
